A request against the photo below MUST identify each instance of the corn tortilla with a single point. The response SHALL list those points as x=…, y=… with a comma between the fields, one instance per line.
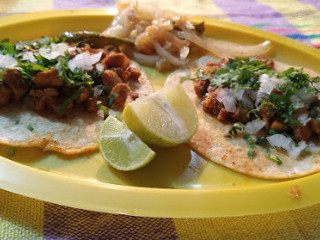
x=210, y=141
x=77, y=133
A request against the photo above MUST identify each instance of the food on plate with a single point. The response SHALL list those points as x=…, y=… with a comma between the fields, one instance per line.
x=164, y=118
x=256, y=116
x=163, y=38
x=54, y=94
x=121, y=148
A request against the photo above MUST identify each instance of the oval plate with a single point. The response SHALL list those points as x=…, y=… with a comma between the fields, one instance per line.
x=178, y=183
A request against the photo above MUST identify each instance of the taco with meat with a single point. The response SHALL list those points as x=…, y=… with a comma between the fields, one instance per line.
x=257, y=116
x=55, y=95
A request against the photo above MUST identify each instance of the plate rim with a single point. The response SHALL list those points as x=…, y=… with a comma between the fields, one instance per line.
x=153, y=202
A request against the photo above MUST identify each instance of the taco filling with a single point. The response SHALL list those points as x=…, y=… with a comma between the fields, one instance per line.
x=257, y=116
x=55, y=94
x=268, y=108
x=57, y=76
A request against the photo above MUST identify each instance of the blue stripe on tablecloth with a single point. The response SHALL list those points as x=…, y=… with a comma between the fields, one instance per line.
x=300, y=36
x=250, y=12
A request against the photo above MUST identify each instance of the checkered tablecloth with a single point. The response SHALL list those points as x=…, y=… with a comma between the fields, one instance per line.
x=25, y=218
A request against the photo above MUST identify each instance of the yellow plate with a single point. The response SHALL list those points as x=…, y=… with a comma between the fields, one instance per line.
x=177, y=183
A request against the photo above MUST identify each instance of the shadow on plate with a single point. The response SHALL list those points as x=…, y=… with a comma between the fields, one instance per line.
x=175, y=165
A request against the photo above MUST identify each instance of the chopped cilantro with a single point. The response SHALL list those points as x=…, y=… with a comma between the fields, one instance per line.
x=30, y=128
x=110, y=100
x=17, y=121
x=251, y=142
x=240, y=73
x=118, y=117
x=276, y=159
x=235, y=128
x=103, y=108
x=28, y=70
x=6, y=47
x=66, y=103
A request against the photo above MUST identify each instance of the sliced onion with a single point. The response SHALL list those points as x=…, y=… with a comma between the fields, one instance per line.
x=184, y=52
x=226, y=49
x=148, y=60
x=168, y=56
x=281, y=141
x=121, y=25
x=201, y=42
x=145, y=11
x=225, y=95
x=6, y=61
x=239, y=50
x=254, y=126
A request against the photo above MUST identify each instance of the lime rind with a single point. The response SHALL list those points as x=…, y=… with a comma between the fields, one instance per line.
x=121, y=148
x=165, y=118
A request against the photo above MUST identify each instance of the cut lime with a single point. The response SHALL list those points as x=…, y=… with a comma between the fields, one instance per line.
x=164, y=118
x=121, y=148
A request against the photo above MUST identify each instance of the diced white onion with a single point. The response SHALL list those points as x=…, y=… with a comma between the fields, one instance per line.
x=304, y=118
x=313, y=147
x=239, y=94
x=99, y=67
x=84, y=61
x=225, y=95
x=267, y=85
x=54, y=50
x=97, y=91
x=254, y=126
x=296, y=101
x=281, y=141
x=28, y=56
x=306, y=97
x=302, y=98
x=246, y=101
x=6, y=61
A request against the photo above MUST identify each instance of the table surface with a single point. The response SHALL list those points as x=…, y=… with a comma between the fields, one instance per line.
x=25, y=218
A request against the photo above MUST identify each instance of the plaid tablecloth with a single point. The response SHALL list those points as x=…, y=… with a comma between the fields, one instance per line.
x=25, y=218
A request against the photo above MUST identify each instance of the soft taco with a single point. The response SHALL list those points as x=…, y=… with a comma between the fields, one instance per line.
x=55, y=95
x=257, y=116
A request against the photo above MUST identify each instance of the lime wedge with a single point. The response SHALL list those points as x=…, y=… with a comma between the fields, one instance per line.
x=121, y=148
x=165, y=118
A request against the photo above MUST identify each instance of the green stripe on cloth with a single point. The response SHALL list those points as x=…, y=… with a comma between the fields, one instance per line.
x=20, y=217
